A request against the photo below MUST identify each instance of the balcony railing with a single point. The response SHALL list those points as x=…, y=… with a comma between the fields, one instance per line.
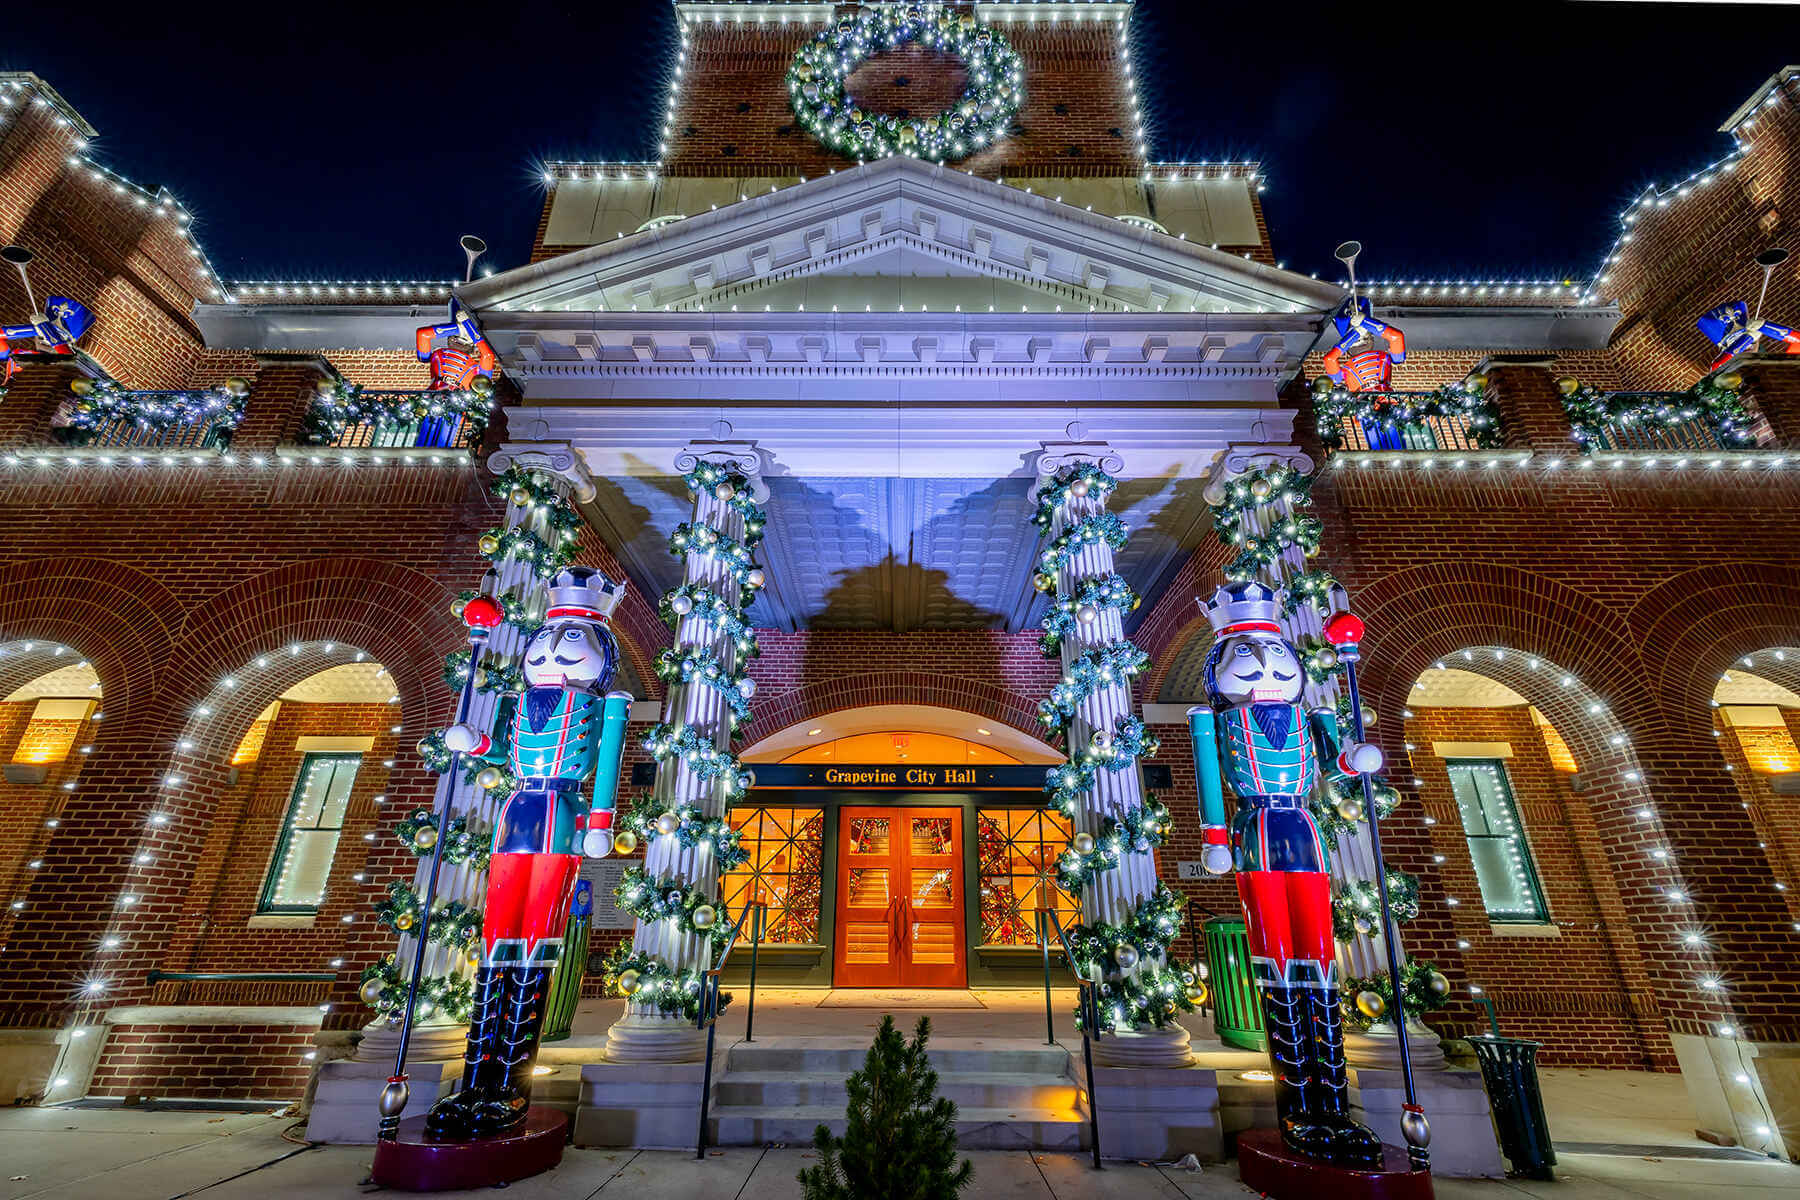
x=1460, y=416
x=1706, y=417
x=345, y=416
x=102, y=413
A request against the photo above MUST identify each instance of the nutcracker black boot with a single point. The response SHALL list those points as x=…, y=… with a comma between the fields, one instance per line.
x=452, y=1119
x=1285, y=1019
x=1346, y=1142
x=521, y=1020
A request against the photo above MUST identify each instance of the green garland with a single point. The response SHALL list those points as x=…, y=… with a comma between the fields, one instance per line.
x=1356, y=904
x=528, y=489
x=733, y=489
x=821, y=69
x=1093, y=595
x=1255, y=553
x=1424, y=987
x=497, y=674
x=452, y=923
x=654, y=982
x=451, y=995
x=1259, y=488
x=666, y=898
x=461, y=843
x=1468, y=400
x=1332, y=823
x=1089, y=531
x=1153, y=986
x=1078, y=481
x=697, y=537
x=546, y=557
x=696, y=665
x=1091, y=670
x=338, y=405
x=700, y=602
x=664, y=741
x=693, y=828
x=1140, y=831
x=102, y=402
x=1309, y=587
x=1591, y=411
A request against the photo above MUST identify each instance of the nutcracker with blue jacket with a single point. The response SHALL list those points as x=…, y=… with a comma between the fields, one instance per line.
x=562, y=739
x=1256, y=736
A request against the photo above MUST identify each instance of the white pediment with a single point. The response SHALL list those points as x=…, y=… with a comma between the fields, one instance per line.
x=895, y=233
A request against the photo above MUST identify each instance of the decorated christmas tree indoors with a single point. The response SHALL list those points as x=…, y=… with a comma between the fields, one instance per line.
x=899, y=1139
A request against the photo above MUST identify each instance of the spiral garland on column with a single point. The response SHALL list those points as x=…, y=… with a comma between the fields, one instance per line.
x=683, y=821
x=1129, y=919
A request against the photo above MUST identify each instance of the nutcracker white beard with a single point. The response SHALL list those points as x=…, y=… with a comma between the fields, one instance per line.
x=565, y=654
x=1258, y=670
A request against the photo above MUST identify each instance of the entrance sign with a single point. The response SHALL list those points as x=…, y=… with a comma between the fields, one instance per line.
x=605, y=874
x=900, y=777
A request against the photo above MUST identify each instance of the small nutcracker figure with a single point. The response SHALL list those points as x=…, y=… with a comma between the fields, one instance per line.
x=561, y=733
x=1255, y=734
x=1366, y=351
x=1731, y=329
x=55, y=330
x=465, y=355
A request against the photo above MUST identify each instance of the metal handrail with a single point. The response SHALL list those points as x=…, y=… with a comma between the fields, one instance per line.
x=708, y=1016
x=1193, y=925
x=1089, y=1009
x=241, y=976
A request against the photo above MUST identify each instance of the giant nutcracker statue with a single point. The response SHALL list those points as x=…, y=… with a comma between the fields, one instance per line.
x=1735, y=330
x=562, y=732
x=1255, y=734
x=464, y=355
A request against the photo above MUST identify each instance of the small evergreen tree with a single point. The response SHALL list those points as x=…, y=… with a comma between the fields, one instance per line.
x=900, y=1139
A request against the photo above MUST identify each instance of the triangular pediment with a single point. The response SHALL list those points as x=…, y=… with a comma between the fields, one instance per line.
x=899, y=233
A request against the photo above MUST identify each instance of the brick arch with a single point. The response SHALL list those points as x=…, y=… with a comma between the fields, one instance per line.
x=119, y=619
x=1180, y=661
x=1700, y=623
x=1779, y=665
x=988, y=701
x=25, y=660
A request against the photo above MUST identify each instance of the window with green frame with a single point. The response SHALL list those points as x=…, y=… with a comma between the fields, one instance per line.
x=309, y=835
x=1503, y=867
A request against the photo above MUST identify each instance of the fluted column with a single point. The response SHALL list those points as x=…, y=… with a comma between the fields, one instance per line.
x=1128, y=919
x=675, y=896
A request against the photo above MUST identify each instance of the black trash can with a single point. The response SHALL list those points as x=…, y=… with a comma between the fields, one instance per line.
x=1509, y=1069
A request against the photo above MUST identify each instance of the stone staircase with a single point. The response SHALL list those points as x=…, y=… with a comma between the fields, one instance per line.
x=1010, y=1094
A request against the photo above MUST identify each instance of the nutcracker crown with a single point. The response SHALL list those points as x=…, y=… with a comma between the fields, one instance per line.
x=583, y=593
x=1244, y=607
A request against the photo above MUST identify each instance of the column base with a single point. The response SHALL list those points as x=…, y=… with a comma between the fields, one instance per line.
x=645, y=1107
x=1158, y=1114
x=1379, y=1048
x=654, y=1038
x=429, y=1043
x=1744, y=1093
x=1165, y=1047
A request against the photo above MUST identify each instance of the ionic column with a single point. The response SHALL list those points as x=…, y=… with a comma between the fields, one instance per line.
x=1128, y=919
x=675, y=896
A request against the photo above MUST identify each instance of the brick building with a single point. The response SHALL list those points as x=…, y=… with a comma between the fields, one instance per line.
x=220, y=647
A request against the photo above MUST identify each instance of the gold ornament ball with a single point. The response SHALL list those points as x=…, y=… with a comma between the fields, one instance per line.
x=668, y=823
x=1363, y=926
x=425, y=837
x=1078, y=488
x=1322, y=385
x=1125, y=955
x=1568, y=385
x=487, y=543
x=1440, y=986
x=456, y=607
x=371, y=991
x=756, y=577
x=1350, y=807
x=625, y=841
x=1370, y=1004
x=1260, y=488
x=1368, y=715
x=704, y=916
x=1327, y=658
x=1731, y=381
x=724, y=492
x=483, y=386
x=1087, y=614
x=1083, y=843
x=1043, y=581
x=481, y=678
x=1196, y=993
x=237, y=386
x=403, y=920
x=423, y=746
x=1476, y=382
x=520, y=495
x=628, y=982
x=489, y=778
x=82, y=387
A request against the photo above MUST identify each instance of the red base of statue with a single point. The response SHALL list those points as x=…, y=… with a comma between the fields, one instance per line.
x=1266, y=1165
x=412, y=1164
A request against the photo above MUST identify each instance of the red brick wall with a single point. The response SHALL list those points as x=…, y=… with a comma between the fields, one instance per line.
x=206, y=1062
x=24, y=807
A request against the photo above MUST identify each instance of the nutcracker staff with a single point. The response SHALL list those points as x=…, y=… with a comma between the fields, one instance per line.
x=1255, y=734
x=561, y=733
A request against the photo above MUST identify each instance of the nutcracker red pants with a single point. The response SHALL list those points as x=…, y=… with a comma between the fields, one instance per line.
x=1288, y=914
x=527, y=908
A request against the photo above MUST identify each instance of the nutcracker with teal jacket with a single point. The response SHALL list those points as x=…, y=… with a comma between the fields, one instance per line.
x=1256, y=737
x=562, y=739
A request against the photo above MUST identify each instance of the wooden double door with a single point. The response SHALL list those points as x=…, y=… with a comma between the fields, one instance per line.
x=900, y=904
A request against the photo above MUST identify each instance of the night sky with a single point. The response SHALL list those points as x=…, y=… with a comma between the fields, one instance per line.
x=358, y=142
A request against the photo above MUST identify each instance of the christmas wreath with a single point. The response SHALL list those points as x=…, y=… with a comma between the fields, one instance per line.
x=817, y=77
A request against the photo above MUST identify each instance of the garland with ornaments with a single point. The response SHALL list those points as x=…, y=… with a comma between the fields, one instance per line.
x=1367, y=1001
x=819, y=75
x=103, y=405
x=338, y=405
x=1468, y=401
x=1717, y=399
x=643, y=977
x=1356, y=904
x=455, y=923
x=1136, y=982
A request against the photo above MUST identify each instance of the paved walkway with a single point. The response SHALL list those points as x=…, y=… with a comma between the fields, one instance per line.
x=111, y=1154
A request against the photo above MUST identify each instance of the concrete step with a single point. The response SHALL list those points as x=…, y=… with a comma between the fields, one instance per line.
x=838, y=1057
x=969, y=1089
x=976, y=1128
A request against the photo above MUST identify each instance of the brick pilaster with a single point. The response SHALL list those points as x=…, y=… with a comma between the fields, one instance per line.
x=32, y=399
x=1773, y=385
x=279, y=396
x=1531, y=410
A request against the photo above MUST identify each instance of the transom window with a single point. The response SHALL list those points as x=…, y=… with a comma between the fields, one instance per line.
x=1497, y=846
x=309, y=837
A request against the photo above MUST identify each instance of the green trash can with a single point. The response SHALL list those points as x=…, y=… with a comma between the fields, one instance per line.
x=1509, y=1069
x=1237, y=1009
x=565, y=981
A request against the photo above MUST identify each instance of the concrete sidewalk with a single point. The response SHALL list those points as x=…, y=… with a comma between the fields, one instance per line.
x=122, y=1154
